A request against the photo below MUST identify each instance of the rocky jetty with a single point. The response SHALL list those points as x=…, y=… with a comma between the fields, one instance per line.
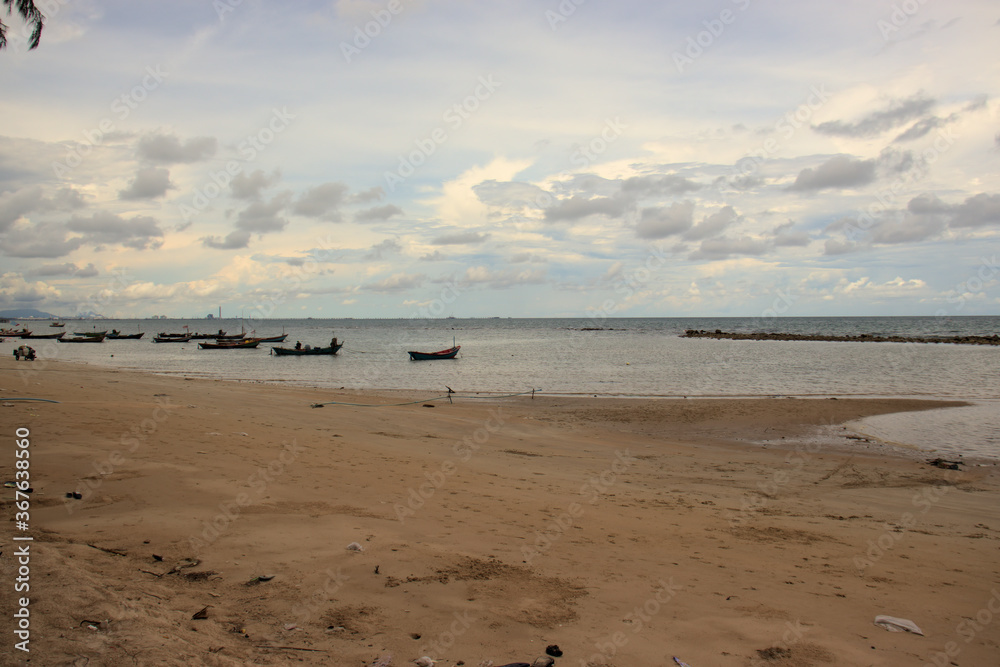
x=860, y=338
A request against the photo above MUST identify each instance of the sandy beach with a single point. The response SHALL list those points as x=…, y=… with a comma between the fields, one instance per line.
x=627, y=532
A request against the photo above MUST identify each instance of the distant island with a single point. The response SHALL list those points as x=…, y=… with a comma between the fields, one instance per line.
x=23, y=313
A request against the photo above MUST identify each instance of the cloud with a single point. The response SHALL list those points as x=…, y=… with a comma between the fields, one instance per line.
x=371, y=194
x=977, y=211
x=15, y=289
x=878, y=122
x=840, y=171
x=396, y=283
x=712, y=224
x=659, y=185
x=460, y=238
x=168, y=149
x=262, y=217
x=321, y=201
x=510, y=193
x=578, y=207
x=41, y=240
x=786, y=235
x=140, y=232
x=249, y=186
x=907, y=228
x=378, y=213
x=723, y=247
x=65, y=269
x=234, y=240
x=662, y=221
x=149, y=183
x=15, y=205
x=379, y=250
x=482, y=275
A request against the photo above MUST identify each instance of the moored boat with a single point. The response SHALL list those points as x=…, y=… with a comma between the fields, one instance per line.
x=272, y=339
x=170, y=339
x=231, y=345
x=37, y=336
x=118, y=335
x=91, y=334
x=440, y=354
x=83, y=339
x=58, y=324
x=303, y=351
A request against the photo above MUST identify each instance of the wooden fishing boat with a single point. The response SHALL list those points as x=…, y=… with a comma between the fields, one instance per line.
x=91, y=334
x=58, y=324
x=118, y=335
x=291, y=351
x=239, y=336
x=231, y=345
x=272, y=339
x=440, y=354
x=83, y=339
x=11, y=333
x=37, y=336
x=170, y=339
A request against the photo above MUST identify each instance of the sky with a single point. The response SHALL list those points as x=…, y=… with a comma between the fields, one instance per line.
x=434, y=158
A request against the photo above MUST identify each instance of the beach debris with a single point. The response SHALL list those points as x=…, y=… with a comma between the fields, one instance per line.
x=424, y=662
x=184, y=564
x=553, y=650
x=158, y=558
x=681, y=662
x=201, y=614
x=893, y=624
x=256, y=580
x=114, y=552
x=354, y=546
x=544, y=661
x=383, y=661
x=199, y=576
x=91, y=625
x=291, y=626
x=947, y=465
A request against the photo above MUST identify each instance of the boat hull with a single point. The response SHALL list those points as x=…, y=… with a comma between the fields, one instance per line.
x=292, y=352
x=430, y=356
x=241, y=345
x=38, y=336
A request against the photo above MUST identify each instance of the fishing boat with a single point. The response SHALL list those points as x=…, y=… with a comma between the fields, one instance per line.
x=83, y=339
x=239, y=336
x=58, y=324
x=171, y=339
x=11, y=333
x=37, y=336
x=440, y=354
x=291, y=351
x=231, y=345
x=272, y=339
x=91, y=334
x=118, y=335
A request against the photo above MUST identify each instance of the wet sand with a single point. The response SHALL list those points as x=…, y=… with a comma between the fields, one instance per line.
x=720, y=531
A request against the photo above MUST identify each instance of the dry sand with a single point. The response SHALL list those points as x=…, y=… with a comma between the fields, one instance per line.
x=626, y=532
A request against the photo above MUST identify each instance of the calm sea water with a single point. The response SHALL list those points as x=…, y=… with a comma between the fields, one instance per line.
x=616, y=357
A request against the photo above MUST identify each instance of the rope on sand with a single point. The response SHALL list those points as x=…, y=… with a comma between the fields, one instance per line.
x=43, y=400
x=425, y=400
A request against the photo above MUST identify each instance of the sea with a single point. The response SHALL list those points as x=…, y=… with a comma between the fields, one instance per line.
x=613, y=357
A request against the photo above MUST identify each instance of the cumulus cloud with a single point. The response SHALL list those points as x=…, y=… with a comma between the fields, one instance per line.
x=169, y=149
x=139, y=232
x=66, y=269
x=387, y=247
x=234, y=240
x=460, y=238
x=877, y=122
x=149, y=183
x=321, y=202
x=378, y=213
x=19, y=203
x=840, y=171
x=263, y=217
x=366, y=196
x=510, y=193
x=724, y=247
x=578, y=207
x=499, y=279
x=712, y=224
x=15, y=289
x=396, y=283
x=659, y=185
x=45, y=239
x=787, y=235
x=977, y=211
x=662, y=221
x=249, y=186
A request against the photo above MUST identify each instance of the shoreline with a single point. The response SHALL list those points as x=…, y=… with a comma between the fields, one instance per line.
x=489, y=529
